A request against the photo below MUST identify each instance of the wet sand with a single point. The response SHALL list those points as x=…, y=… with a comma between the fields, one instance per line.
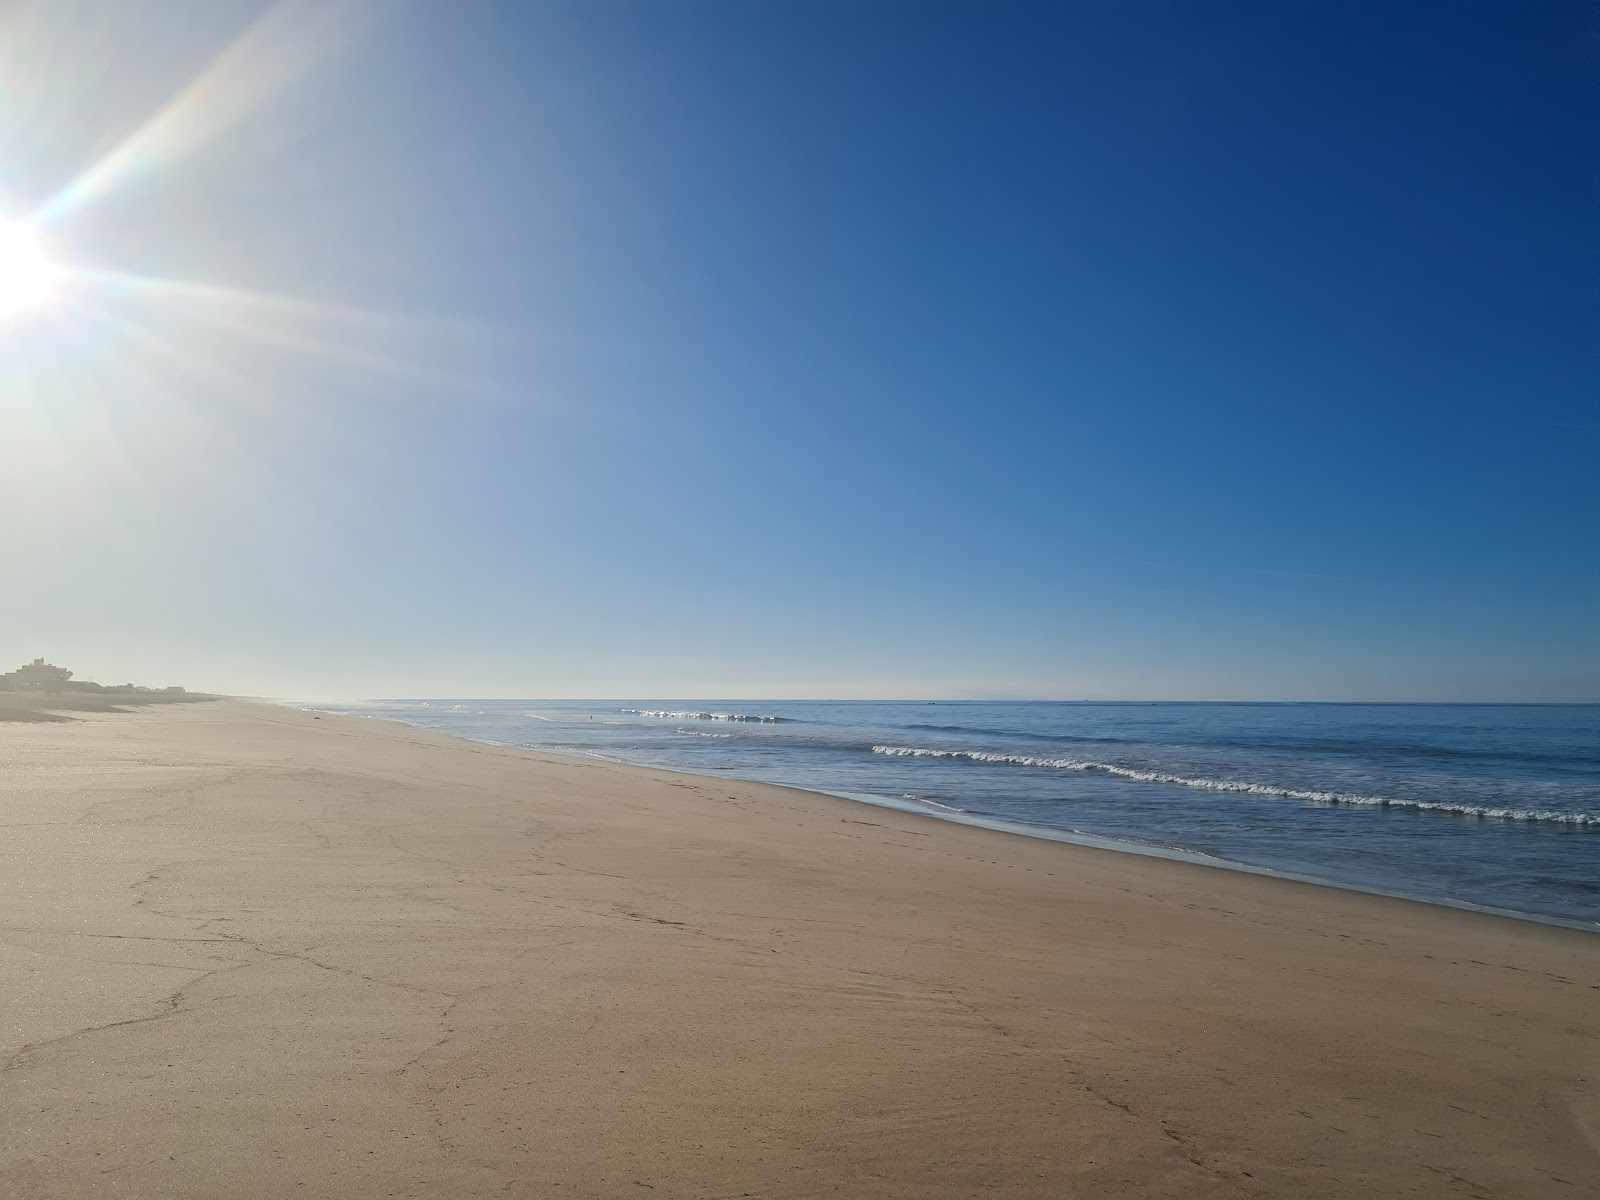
x=250, y=951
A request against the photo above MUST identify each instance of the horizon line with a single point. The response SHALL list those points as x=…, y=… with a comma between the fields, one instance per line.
x=903, y=700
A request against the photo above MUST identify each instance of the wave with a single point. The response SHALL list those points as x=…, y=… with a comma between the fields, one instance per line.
x=1364, y=748
x=702, y=733
x=933, y=803
x=1583, y=761
x=701, y=716
x=1335, y=799
x=953, y=728
x=1032, y=736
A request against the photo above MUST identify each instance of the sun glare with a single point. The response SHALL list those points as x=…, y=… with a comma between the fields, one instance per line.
x=28, y=279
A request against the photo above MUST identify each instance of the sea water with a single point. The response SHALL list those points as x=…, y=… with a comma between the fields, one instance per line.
x=1495, y=806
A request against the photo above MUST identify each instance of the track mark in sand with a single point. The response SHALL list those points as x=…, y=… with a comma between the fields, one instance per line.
x=1190, y=1155
x=1188, y=1151
x=658, y=920
x=123, y=937
x=24, y=1053
x=171, y=1006
x=1105, y=1099
x=449, y=1035
x=1453, y=1177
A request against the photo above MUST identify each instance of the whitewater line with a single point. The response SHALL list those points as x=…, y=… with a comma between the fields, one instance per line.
x=1580, y=820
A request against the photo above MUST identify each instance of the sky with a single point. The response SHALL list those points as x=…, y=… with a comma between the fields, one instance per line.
x=1097, y=350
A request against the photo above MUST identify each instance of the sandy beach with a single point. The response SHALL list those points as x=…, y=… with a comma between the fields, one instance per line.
x=252, y=951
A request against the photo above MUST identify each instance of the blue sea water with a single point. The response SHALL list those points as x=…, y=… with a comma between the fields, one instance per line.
x=1486, y=805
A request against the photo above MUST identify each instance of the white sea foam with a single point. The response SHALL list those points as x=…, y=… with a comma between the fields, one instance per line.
x=932, y=803
x=1581, y=820
x=697, y=716
x=702, y=733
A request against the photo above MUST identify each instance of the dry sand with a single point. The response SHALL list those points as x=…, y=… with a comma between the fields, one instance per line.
x=56, y=706
x=251, y=952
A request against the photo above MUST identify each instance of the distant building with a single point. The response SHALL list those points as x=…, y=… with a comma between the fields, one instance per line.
x=37, y=676
x=40, y=676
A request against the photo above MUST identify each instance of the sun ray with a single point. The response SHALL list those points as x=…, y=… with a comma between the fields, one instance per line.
x=361, y=339
x=287, y=43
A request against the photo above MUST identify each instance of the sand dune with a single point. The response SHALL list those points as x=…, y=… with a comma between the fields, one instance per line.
x=253, y=952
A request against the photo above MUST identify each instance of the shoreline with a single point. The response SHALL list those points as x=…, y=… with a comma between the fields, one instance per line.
x=1044, y=833
x=258, y=950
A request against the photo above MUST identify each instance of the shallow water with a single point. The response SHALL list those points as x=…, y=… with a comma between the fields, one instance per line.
x=1491, y=805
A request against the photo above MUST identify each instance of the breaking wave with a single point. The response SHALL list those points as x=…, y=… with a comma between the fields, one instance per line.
x=1333, y=799
x=699, y=716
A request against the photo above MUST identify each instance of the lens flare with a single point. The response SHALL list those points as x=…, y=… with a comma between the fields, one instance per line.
x=28, y=279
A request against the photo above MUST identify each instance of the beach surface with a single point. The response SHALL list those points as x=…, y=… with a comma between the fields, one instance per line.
x=254, y=951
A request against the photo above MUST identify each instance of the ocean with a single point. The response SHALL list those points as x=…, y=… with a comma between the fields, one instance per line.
x=1488, y=806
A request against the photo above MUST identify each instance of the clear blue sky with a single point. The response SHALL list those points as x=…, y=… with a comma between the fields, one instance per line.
x=737, y=349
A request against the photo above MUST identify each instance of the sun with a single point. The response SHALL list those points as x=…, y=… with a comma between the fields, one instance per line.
x=28, y=279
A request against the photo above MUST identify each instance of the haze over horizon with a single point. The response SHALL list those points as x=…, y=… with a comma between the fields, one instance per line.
x=812, y=350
